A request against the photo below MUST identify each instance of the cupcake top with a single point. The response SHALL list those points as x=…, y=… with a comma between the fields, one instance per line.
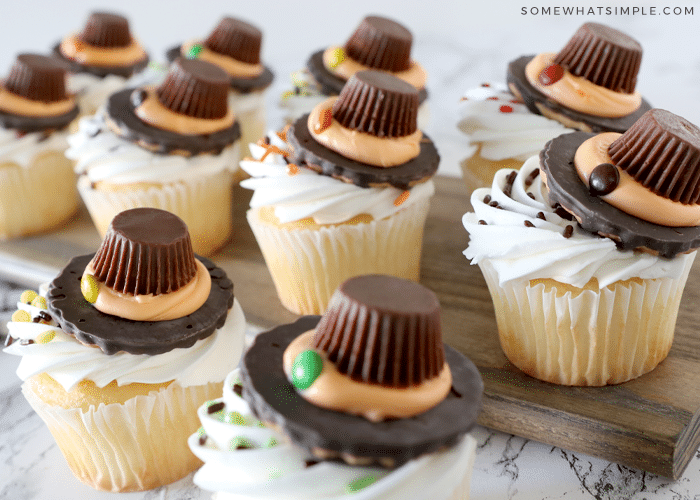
x=234, y=45
x=103, y=47
x=589, y=85
x=374, y=366
x=33, y=97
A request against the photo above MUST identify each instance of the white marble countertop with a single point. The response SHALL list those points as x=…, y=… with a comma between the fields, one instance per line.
x=461, y=45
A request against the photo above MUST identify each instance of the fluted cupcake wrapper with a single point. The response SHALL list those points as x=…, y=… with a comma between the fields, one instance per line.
x=591, y=338
x=307, y=265
x=36, y=197
x=204, y=203
x=135, y=446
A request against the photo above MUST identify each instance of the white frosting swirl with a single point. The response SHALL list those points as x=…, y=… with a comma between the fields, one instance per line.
x=309, y=194
x=92, y=91
x=23, y=150
x=102, y=155
x=280, y=472
x=503, y=126
x=519, y=252
x=68, y=361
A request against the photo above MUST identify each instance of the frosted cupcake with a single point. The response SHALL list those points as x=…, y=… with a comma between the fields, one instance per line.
x=594, y=302
x=173, y=147
x=235, y=45
x=406, y=435
x=101, y=58
x=37, y=183
x=342, y=194
x=379, y=44
x=589, y=85
x=124, y=347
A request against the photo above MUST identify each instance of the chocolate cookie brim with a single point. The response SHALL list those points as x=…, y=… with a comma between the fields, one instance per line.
x=37, y=123
x=332, y=84
x=113, y=334
x=531, y=96
x=595, y=215
x=122, y=115
x=242, y=85
x=100, y=71
x=273, y=399
x=307, y=151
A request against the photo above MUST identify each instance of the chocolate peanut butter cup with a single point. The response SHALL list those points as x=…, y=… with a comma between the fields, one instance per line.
x=368, y=112
x=40, y=79
x=147, y=251
x=104, y=30
x=191, y=88
x=240, y=41
x=330, y=434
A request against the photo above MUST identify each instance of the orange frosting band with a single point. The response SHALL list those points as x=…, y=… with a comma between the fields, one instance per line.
x=163, y=307
x=336, y=391
x=234, y=67
x=360, y=146
x=18, y=105
x=153, y=112
x=74, y=48
x=630, y=196
x=580, y=94
x=415, y=74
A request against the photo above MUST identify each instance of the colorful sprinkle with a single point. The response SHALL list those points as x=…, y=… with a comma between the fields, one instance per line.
x=551, y=74
x=89, y=288
x=21, y=316
x=194, y=51
x=39, y=302
x=271, y=443
x=360, y=484
x=287, y=94
x=240, y=443
x=337, y=56
x=214, y=406
x=27, y=296
x=292, y=169
x=306, y=368
x=492, y=98
x=270, y=149
x=46, y=337
x=400, y=199
x=325, y=120
x=235, y=418
x=505, y=109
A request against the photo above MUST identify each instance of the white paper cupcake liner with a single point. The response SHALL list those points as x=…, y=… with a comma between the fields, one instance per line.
x=38, y=197
x=135, y=446
x=204, y=203
x=591, y=338
x=307, y=265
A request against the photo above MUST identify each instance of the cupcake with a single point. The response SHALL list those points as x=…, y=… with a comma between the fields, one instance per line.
x=123, y=347
x=101, y=58
x=174, y=147
x=234, y=45
x=344, y=191
x=587, y=248
x=37, y=183
x=589, y=86
x=379, y=44
x=307, y=418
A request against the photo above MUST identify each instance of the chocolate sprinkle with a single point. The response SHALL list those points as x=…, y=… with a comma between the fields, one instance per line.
x=540, y=215
x=528, y=224
x=42, y=316
x=530, y=195
x=215, y=407
x=531, y=177
x=569, y=231
x=494, y=204
x=9, y=340
x=26, y=342
x=311, y=463
x=510, y=179
x=238, y=389
x=482, y=222
x=487, y=199
x=562, y=213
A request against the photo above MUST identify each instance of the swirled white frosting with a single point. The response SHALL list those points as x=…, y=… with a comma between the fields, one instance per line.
x=309, y=194
x=519, y=252
x=68, y=361
x=102, y=155
x=23, y=150
x=92, y=91
x=502, y=125
x=266, y=472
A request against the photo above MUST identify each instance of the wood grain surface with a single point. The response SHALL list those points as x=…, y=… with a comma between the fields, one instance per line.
x=651, y=423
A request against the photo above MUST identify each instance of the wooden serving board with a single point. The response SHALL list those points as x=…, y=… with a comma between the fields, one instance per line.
x=651, y=423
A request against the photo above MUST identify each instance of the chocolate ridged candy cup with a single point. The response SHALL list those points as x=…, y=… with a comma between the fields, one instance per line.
x=38, y=78
x=604, y=56
x=195, y=88
x=106, y=30
x=145, y=251
x=236, y=39
x=383, y=330
x=379, y=104
x=661, y=151
x=381, y=43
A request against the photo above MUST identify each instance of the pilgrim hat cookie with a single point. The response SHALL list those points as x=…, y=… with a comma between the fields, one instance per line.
x=601, y=234
x=174, y=147
x=370, y=383
x=37, y=183
x=344, y=191
x=100, y=57
x=378, y=43
x=123, y=348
